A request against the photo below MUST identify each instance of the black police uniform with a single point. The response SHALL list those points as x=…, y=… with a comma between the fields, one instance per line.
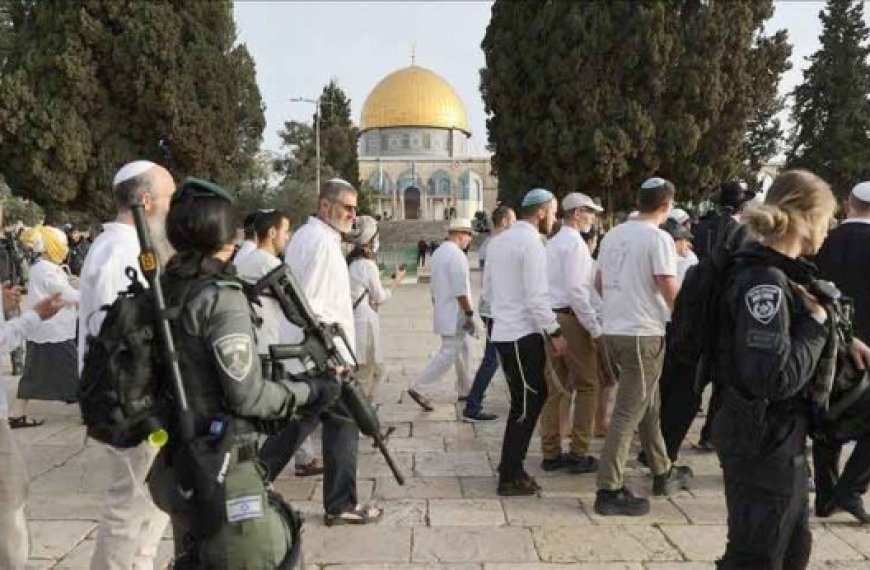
x=234, y=524
x=771, y=345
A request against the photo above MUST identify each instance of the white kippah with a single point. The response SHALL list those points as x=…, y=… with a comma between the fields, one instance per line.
x=132, y=170
x=862, y=191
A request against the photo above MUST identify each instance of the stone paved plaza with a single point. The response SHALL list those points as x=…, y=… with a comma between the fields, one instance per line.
x=448, y=515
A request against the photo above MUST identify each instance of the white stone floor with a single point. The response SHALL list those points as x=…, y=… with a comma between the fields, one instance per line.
x=448, y=515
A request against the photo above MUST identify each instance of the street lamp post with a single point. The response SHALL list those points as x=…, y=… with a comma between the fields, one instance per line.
x=316, y=103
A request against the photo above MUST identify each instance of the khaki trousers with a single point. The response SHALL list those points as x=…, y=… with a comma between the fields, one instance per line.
x=577, y=370
x=14, y=546
x=636, y=408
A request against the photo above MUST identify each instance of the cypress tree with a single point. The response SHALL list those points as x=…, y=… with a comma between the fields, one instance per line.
x=831, y=111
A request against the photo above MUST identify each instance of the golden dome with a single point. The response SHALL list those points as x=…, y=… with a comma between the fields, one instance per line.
x=414, y=97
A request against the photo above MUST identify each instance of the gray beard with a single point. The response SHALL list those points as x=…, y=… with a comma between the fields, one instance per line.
x=157, y=229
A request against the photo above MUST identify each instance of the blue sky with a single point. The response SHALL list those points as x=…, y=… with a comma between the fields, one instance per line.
x=299, y=46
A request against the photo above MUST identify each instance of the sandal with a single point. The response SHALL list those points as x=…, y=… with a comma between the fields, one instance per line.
x=313, y=467
x=360, y=514
x=23, y=422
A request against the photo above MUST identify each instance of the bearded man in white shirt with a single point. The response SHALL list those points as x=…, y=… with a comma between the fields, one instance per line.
x=131, y=525
x=515, y=279
x=453, y=317
x=637, y=278
x=314, y=256
x=571, y=270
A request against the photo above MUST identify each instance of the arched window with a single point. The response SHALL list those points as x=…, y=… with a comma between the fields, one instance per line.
x=439, y=184
x=408, y=179
x=470, y=186
x=381, y=182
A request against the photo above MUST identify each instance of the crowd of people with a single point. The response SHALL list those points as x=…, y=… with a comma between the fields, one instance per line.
x=576, y=326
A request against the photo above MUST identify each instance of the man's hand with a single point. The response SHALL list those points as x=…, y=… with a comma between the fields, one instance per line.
x=560, y=345
x=11, y=296
x=325, y=390
x=48, y=307
x=860, y=354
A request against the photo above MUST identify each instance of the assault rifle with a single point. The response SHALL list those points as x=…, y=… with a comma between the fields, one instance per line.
x=324, y=349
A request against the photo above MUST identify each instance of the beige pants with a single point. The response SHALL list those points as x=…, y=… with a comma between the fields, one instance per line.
x=636, y=408
x=131, y=525
x=14, y=547
x=578, y=368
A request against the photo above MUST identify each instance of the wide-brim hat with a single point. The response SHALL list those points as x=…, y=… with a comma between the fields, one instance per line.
x=365, y=230
x=576, y=200
x=461, y=225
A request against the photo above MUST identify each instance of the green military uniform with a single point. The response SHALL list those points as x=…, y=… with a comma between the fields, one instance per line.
x=222, y=515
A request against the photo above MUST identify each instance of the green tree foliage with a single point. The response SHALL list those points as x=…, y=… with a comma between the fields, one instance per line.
x=597, y=96
x=14, y=209
x=87, y=86
x=831, y=111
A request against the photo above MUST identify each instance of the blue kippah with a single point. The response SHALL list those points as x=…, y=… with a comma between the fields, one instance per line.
x=537, y=196
x=653, y=183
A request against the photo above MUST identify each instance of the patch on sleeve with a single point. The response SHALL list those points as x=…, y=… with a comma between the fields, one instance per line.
x=763, y=302
x=764, y=340
x=244, y=508
x=235, y=355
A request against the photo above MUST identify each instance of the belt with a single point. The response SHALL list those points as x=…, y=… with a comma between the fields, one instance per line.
x=564, y=310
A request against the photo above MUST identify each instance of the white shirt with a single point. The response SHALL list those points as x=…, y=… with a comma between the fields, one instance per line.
x=631, y=254
x=12, y=334
x=570, y=271
x=247, y=247
x=103, y=277
x=515, y=277
x=684, y=263
x=315, y=258
x=449, y=269
x=47, y=279
x=365, y=276
x=252, y=268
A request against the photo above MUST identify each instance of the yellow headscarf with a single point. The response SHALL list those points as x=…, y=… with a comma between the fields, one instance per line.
x=51, y=242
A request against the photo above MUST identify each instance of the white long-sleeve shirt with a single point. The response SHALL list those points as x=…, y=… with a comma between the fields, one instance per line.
x=12, y=334
x=449, y=268
x=104, y=276
x=47, y=279
x=515, y=277
x=315, y=258
x=364, y=276
x=570, y=270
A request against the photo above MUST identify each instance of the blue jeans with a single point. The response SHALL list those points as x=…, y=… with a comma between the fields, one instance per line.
x=484, y=375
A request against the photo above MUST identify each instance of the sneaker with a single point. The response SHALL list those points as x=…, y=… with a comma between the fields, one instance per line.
x=674, y=480
x=553, y=464
x=522, y=487
x=620, y=502
x=478, y=417
x=581, y=463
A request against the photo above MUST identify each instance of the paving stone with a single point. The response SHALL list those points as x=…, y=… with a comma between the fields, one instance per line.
x=296, y=489
x=577, y=566
x=469, y=464
x=680, y=566
x=447, y=429
x=534, y=511
x=357, y=544
x=838, y=565
x=602, y=544
x=698, y=542
x=466, y=512
x=464, y=544
x=479, y=487
x=64, y=506
x=703, y=510
x=571, y=486
x=662, y=511
x=373, y=465
x=364, y=487
x=706, y=485
x=829, y=547
x=53, y=539
x=404, y=512
x=413, y=413
x=426, y=566
x=41, y=458
x=854, y=535
x=418, y=488
x=433, y=443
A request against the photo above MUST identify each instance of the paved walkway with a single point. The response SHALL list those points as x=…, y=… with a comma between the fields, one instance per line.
x=447, y=515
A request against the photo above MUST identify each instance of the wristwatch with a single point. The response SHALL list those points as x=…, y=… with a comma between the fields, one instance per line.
x=469, y=313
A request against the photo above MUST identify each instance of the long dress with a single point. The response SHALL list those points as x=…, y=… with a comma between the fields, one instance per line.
x=51, y=365
x=365, y=279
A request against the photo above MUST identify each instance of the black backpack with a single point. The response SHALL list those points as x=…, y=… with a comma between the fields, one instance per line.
x=695, y=320
x=124, y=391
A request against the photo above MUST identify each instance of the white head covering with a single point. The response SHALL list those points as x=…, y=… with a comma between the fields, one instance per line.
x=132, y=170
x=862, y=191
x=679, y=215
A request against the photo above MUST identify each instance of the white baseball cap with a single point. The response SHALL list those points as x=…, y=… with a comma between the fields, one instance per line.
x=862, y=191
x=461, y=225
x=576, y=200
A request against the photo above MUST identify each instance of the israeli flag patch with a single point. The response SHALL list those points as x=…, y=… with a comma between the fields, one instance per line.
x=245, y=508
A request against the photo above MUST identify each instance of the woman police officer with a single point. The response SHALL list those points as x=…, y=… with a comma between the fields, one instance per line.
x=235, y=524
x=773, y=333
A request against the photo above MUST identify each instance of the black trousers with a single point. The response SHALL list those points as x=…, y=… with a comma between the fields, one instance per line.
x=768, y=513
x=854, y=479
x=523, y=362
x=681, y=400
x=340, y=443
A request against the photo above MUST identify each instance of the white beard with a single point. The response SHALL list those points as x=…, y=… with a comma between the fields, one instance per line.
x=165, y=251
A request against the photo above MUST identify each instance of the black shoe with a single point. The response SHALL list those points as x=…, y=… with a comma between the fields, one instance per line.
x=518, y=488
x=620, y=502
x=852, y=505
x=580, y=463
x=531, y=480
x=825, y=506
x=478, y=417
x=553, y=464
x=674, y=480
